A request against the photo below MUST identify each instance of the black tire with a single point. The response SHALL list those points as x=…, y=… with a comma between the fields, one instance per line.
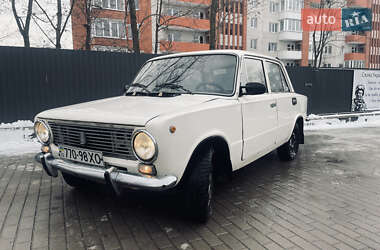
x=200, y=187
x=74, y=181
x=289, y=150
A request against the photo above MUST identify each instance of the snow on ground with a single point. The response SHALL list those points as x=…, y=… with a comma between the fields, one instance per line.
x=322, y=123
x=15, y=138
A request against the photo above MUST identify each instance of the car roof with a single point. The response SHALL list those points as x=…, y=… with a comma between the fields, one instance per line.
x=218, y=52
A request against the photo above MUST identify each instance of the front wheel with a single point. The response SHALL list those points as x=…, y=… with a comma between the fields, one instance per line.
x=200, y=188
x=289, y=150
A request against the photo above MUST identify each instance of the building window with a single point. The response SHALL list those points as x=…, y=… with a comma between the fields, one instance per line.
x=173, y=36
x=109, y=28
x=253, y=3
x=357, y=49
x=198, y=38
x=354, y=64
x=294, y=47
x=273, y=27
x=291, y=5
x=253, y=43
x=273, y=7
x=328, y=50
x=290, y=25
x=110, y=4
x=272, y=47
x=254, y=22
x=327, y=65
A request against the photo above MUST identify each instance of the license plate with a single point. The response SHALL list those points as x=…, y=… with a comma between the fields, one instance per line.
x=81, y=155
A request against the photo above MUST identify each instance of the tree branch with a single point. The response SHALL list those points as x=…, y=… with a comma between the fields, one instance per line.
x=46, y=14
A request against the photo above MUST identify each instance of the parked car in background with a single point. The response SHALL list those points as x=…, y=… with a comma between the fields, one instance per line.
x=185, y=121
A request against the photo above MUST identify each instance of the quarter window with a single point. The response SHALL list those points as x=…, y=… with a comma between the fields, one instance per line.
x=276, y=78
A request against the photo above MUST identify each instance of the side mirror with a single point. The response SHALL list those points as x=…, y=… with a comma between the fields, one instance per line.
x=253, y=88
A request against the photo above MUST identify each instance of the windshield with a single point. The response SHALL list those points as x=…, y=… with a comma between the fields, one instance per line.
x=204, y=74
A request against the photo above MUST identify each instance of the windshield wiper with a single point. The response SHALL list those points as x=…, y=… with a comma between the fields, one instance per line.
x=172, y=86
x=139, y=85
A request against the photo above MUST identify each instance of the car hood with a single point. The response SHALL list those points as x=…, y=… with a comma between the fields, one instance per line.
x=128, y=110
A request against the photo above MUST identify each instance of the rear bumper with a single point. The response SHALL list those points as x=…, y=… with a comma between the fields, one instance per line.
x=114, y=177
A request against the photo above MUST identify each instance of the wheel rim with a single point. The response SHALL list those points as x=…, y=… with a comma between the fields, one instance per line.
x=210, y=193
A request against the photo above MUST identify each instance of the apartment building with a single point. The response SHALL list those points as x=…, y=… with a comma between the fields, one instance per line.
x=184, y=25
x=357, y=49
x=274, y=28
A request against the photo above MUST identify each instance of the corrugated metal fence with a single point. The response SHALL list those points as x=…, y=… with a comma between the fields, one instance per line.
x=32, y=80
x=36, y=79
x=328, y=90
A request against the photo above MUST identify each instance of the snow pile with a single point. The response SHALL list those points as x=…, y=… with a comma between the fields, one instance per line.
x=322, y=123
x=18, y=124
x=15, y=138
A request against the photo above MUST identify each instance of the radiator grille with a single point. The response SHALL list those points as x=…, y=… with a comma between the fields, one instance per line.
x=111, y=141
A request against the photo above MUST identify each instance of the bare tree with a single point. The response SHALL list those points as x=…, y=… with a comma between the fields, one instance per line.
x=321, y=35
x=23, y=25
x=214, y=9
x=86, y=11
x=161, y=22
x=133, y=21
x=59, y=26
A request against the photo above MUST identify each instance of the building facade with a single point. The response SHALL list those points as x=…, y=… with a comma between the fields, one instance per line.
x=348, y=49
x=274, y=28
x=183, y=25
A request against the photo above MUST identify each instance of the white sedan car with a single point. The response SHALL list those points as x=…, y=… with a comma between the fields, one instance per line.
x=185, y=121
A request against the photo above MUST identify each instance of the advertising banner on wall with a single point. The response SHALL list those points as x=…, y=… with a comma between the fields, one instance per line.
x=366, y=90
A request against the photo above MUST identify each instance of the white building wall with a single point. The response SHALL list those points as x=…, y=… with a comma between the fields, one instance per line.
x=265, y=15
x=288, y=9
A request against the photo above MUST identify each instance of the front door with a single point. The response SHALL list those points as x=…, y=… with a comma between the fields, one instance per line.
x=259, y=113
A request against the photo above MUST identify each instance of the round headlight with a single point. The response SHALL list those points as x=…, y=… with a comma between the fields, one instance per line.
x=42, y=131
x=144, y=146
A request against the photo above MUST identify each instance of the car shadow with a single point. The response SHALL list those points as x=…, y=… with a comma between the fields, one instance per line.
x=244, y=186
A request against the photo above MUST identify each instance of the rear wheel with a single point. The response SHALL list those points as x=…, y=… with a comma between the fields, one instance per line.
x=289, y=150
x=74, y=181
x=200, y=187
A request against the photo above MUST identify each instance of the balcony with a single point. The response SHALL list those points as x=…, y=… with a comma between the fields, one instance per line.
x=355, y=39
x=290, y=36
x=189, y=23
x=289, y=15
x=167, y=46
x=359, y=3
x=290, y=55
x=354, y=56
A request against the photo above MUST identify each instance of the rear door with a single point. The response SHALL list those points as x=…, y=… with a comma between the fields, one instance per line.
x=285, y=99
x=259, y=113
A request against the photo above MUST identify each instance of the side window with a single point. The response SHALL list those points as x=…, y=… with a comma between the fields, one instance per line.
x=255, y=71
x=276, y=78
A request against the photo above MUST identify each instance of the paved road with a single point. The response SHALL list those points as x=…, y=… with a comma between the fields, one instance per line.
x=328, y=198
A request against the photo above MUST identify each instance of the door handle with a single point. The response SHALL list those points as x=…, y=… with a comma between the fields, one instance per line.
x=294, y=101
x=272, y=105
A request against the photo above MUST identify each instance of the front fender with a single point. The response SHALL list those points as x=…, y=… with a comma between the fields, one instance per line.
x=219, y=118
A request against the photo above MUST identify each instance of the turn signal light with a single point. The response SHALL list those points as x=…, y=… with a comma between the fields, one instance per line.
x=45, y=149
x=147, y=169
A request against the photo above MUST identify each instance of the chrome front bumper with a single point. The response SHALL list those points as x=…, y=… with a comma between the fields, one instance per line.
x=114, y=177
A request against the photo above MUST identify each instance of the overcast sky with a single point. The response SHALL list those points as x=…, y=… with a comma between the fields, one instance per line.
x=10, y=36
